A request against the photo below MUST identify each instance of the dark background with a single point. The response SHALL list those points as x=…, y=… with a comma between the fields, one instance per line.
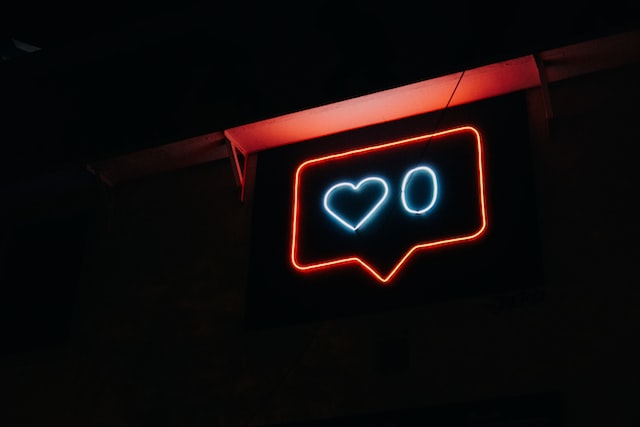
x=126, y=304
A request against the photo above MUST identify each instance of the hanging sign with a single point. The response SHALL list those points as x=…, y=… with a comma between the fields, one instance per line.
x=379, y=206
x=407, y=212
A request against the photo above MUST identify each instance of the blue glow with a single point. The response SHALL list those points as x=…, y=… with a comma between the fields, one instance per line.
x=342, y=185
x=405, y=182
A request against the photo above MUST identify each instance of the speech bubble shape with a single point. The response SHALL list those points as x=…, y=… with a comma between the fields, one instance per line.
x=434, y=196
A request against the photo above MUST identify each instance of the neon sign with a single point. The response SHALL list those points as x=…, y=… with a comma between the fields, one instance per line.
x=362, y=184
x=427, y=216
x=407, y=181
x=382, y=196
x=437, y=178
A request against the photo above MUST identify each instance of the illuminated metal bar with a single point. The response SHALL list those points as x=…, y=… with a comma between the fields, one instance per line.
x=385, y=106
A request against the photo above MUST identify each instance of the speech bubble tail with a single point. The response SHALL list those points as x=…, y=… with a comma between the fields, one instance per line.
x=391, y=274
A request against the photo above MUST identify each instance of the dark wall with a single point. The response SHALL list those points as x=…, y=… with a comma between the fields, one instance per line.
x=127, y=305
x=155, y=333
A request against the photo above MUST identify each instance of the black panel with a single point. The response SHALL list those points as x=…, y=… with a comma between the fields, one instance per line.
x=506, y=257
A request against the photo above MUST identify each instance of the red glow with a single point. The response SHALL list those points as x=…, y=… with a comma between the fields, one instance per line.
x=393, y=104
x=240, y=169
x=240, y=165
x=386, y=278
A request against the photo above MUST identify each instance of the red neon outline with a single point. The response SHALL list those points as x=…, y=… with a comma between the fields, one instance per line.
x=420, y=246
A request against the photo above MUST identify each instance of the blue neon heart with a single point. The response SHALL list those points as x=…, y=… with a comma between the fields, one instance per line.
x=342, y=186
